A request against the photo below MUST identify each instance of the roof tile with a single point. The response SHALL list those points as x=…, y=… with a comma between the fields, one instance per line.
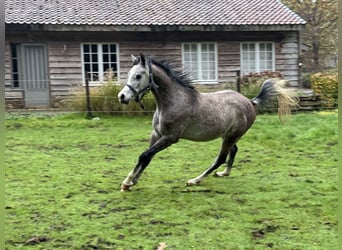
x=150, y=12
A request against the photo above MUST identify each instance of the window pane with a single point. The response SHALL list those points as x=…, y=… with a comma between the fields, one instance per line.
x=251, y=56
x=211, y=47
x=262, y=65
x=186, y=56
x=269, y=55
x=86, y=58
x=114, y=67
x=262, y=56
x=95, y=67
x=105, y=67
x=269, y=46
x=105, y=58
x=113, y=48
x=94, y=57
x=186, y=47
x=87, y=67
x=94, y=48
x=262, y=47
x=105, y=48
x=95, y=77
x=85, y=48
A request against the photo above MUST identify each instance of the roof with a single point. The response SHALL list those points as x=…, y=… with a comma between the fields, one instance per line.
x=150, y=12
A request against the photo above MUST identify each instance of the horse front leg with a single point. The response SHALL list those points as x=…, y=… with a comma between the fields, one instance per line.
x=145, y=158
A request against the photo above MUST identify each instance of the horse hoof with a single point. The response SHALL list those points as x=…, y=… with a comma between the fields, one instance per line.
x=221, y=174
x=125, y=188
x=192, y=183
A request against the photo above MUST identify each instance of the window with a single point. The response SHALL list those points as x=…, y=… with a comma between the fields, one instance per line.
x=100, y=61
x=15, y=65
x=200, y=60
x=257, y=57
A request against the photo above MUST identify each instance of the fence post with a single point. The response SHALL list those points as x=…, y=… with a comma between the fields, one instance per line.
x=238, y=81
x=89, y=114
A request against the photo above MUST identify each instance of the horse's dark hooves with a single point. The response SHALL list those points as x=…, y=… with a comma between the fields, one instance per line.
x=125, y=188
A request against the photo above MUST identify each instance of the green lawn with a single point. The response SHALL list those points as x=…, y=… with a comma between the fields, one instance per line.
x=63, y=175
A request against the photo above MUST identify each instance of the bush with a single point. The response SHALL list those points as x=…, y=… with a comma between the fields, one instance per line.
x=104, y=100
x=325, y=84
x=251, y=83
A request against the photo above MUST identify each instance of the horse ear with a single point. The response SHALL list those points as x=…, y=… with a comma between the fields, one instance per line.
x=135, y=59
x=143, y=60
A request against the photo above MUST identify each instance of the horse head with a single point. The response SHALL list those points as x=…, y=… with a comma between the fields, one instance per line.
x=139, y=80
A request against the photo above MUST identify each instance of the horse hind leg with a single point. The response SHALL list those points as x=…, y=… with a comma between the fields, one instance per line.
x=221, y=158
x=226, y=171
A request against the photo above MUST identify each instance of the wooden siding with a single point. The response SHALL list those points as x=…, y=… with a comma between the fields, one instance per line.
x=65, y=67
x=65, y=62
x=228, y=62
x=287, y=56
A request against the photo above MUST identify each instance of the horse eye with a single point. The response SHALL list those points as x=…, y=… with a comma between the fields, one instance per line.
x=138, y=77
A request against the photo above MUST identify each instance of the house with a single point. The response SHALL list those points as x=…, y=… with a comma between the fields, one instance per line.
x=51, y=44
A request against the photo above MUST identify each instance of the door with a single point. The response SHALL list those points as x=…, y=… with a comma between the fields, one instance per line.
x=35, y=75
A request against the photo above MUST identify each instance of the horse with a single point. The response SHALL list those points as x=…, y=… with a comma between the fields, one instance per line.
x=182, y=112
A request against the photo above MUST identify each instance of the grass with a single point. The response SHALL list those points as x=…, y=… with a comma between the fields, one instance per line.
x=63, y=175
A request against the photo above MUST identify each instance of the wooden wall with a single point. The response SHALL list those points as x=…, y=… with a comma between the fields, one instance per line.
x=65, y=67
x=287, y=58
x=64, y=51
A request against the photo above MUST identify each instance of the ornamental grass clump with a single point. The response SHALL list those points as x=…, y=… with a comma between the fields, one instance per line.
x=104, y=100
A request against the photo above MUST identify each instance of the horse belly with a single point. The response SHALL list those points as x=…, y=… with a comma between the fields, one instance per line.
x=203, y=132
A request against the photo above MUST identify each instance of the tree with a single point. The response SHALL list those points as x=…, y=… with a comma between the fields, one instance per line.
x=320, y=33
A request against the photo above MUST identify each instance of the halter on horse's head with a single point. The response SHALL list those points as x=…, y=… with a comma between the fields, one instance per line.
x=139, y=81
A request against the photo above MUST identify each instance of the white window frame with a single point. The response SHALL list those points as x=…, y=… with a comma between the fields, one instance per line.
x=199, y=66
x=100, y=62
x=257, y=56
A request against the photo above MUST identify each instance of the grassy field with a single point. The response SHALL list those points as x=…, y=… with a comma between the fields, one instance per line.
x=63, y=175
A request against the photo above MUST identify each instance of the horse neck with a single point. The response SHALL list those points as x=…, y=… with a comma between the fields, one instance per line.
x=168, y=92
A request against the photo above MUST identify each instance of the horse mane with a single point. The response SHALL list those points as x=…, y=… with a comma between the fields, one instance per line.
x=182, y=78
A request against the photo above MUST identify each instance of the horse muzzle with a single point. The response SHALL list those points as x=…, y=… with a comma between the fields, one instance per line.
x=124, y=96
x=122, y=99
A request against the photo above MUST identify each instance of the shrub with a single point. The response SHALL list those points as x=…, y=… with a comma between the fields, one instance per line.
x=325, y=84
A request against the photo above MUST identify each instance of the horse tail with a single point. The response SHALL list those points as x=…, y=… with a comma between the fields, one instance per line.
x=272, y=90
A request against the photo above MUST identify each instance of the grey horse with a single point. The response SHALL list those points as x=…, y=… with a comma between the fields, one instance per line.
x=184, y=113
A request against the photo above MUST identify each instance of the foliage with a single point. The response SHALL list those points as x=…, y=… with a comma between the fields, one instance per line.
x=251, y=83
x=320, y=32
x=325, y=84
x=63, y=175
x=104, y=100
